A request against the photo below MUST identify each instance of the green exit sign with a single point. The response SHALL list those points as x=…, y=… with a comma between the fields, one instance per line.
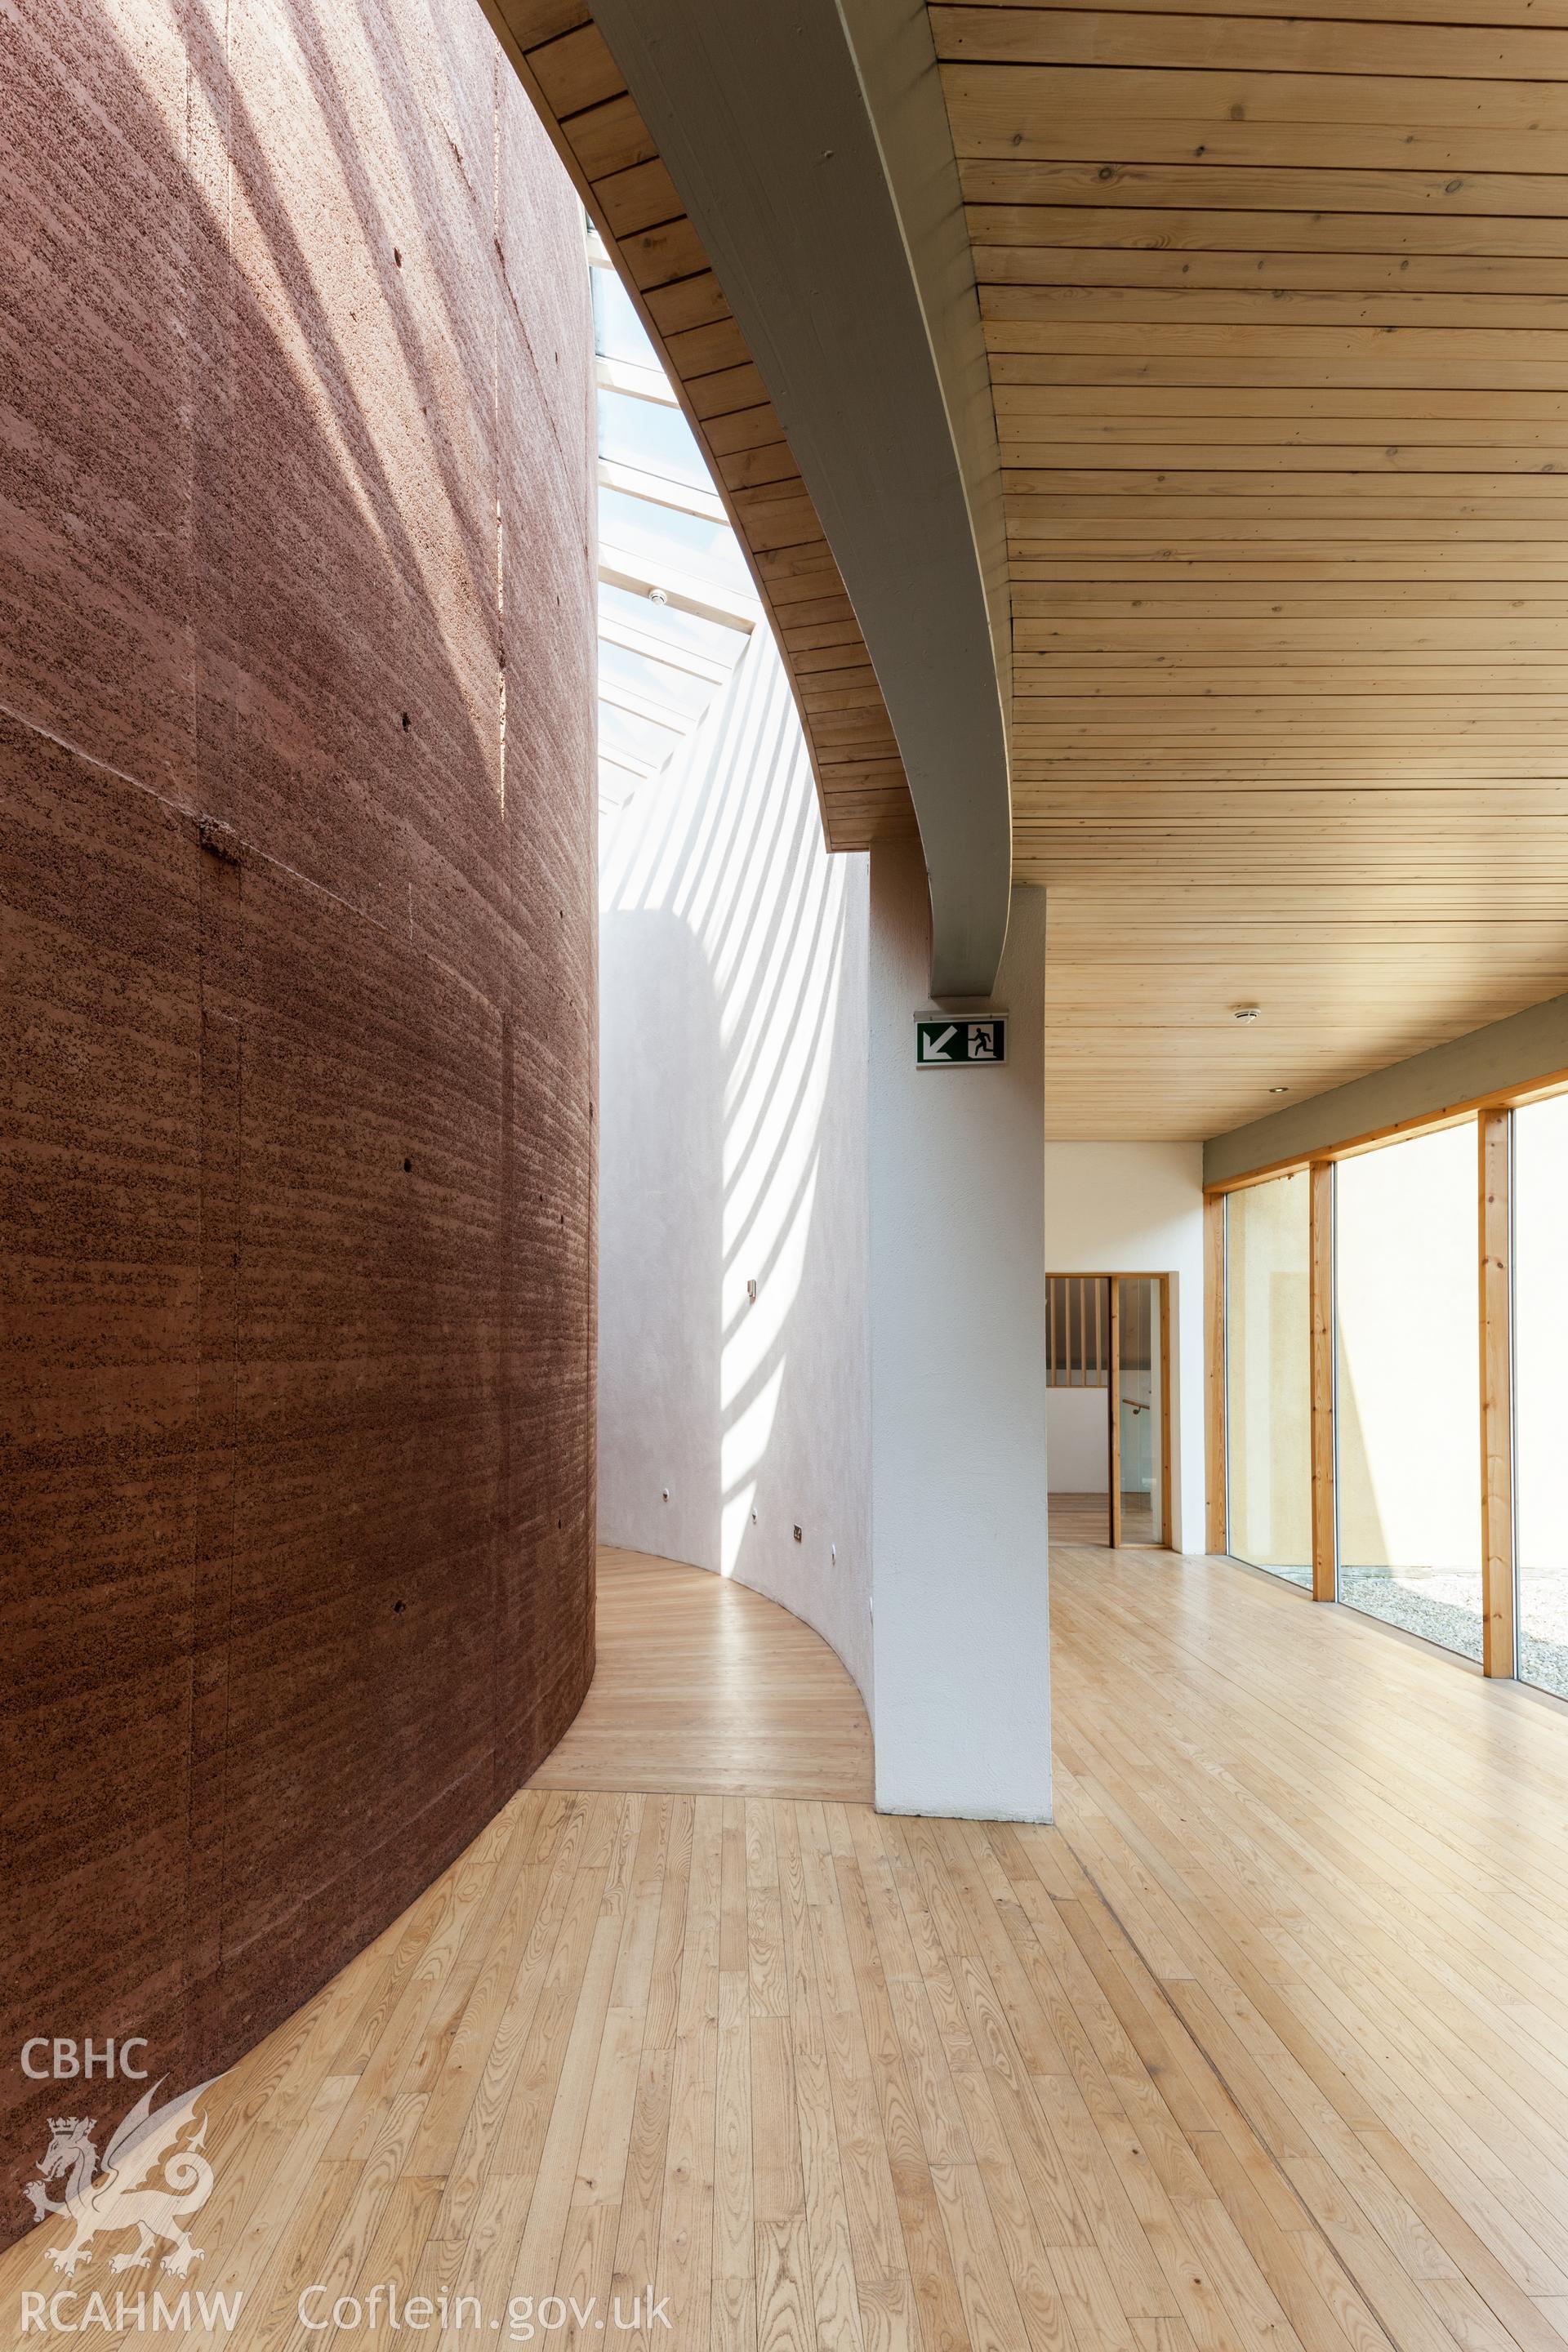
x=959, y=1045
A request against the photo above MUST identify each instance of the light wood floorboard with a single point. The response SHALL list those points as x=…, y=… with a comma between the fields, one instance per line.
x=1085, y=1519
x=1080, y=1519
x=704, y=1687
x=1264, y=2044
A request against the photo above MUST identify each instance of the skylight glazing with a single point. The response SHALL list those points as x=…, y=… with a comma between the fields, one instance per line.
x=676, y=601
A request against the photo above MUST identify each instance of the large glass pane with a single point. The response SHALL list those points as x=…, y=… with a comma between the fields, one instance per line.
x=620, y=730
x=655, y=440
x=1539, y=1411
x=1407, y=1399
x=675, y=691
x=618, y=332
x=1269, y=1376
x=688, y=630
x=706, y=549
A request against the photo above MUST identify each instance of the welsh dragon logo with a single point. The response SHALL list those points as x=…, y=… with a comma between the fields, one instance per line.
x=147, y=2183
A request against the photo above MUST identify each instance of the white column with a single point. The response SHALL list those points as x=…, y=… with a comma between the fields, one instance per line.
x=959, y=1561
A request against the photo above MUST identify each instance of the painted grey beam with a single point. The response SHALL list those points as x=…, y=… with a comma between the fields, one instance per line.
x=1526, y=1047
x=896, y=56
x=813, y=156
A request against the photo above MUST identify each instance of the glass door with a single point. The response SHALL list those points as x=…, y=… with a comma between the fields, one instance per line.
x=1140, y=1485
x=1107, y=1405
x=1078, y=1406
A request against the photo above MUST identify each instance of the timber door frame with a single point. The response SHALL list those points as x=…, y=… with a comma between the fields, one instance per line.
x=1113, y=1378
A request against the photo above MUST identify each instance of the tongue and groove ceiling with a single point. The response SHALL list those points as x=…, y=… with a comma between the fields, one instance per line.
x=1276, y=314
x=1275, y=306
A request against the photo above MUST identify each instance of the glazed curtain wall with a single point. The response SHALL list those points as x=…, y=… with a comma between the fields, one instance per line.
x=1268, y=1377
x=296, y=863
x=1407, y=1387
x=1410, y=1379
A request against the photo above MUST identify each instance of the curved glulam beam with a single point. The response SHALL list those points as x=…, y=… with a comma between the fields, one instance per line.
x=810, y=153
x=839, y=422
x=614, y=162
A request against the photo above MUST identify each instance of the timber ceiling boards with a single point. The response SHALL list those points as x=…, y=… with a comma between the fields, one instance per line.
x=1274, y=299
x=584, y=103
x=1275, y=296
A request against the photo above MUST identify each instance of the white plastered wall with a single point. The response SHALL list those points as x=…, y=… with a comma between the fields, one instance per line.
x=958, y=1381
x=758, y=1092
x=732, y=1149
x=1138, y=1208
x=1077, y=1441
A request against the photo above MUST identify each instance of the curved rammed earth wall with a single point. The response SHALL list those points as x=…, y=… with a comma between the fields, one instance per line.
x=297, y=1067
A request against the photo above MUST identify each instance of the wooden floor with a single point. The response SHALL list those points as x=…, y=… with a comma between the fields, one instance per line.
x=1085, y=1519
x=1264, y=2045
x=704, y=1689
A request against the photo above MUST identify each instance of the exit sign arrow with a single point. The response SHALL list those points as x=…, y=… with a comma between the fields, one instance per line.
x=968, y=1044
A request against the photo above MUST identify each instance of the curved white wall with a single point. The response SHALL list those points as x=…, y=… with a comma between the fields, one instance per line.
x=733, y=1149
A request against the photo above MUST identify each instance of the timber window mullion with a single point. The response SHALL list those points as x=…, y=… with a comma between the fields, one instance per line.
x=1113, y=1396
x=1325, y=1515
x=1167, y=1533
x=1218, y=1530
x=1495, y=1237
